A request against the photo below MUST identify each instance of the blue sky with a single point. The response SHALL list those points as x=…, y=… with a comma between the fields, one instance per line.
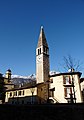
x=20, y=22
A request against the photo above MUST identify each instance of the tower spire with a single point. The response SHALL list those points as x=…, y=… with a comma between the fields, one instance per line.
x=42, y=58
x=42, y=39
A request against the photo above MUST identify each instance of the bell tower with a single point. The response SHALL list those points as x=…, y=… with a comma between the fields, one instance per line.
x=8, y=74
x=42, y=58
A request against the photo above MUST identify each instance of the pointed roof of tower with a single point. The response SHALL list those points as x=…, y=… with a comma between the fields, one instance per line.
x=42, y=38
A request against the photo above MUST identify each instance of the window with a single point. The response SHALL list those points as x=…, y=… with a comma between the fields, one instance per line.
x=10, y=94
x=51, y=92
x=67, y=80
x=19, y=93
x=51, y=80
x=40, y=50
x=67, y=92
x=45, y=50
x=23, y=92
x=15, y=93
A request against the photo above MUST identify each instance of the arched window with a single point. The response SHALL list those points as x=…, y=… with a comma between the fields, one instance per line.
x=19, y=93
x=10, y=94
x=40, y=50
x=44, y=49
x=23, y=92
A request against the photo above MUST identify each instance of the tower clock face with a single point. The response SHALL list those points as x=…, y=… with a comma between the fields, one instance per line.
x=39, y=59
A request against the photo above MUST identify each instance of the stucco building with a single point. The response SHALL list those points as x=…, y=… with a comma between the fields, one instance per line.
x=23, y=95
x=65, y=87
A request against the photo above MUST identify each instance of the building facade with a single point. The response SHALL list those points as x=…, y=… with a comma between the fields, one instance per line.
x=82, y=87
x=65, y=88
x=23, y=95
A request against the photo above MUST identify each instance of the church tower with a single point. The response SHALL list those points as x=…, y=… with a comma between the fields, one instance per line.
x=8, y=74
x=42, y=58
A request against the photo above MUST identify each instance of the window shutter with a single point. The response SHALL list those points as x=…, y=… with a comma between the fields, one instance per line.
x=71, y=90
x=69, y=80
x=51, y=80
x=65, y=92
x=64, y=80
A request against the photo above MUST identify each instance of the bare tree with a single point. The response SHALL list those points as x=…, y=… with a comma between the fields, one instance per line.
x=71, y=63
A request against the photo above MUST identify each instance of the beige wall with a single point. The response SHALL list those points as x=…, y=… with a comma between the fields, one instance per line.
x=82, y=89
x=27, y=96
x=59, y=88
x=82, y=86
x=59, y=94
x=77, y=89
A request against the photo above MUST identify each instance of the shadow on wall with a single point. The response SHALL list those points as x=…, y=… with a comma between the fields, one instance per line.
x=23, y=100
